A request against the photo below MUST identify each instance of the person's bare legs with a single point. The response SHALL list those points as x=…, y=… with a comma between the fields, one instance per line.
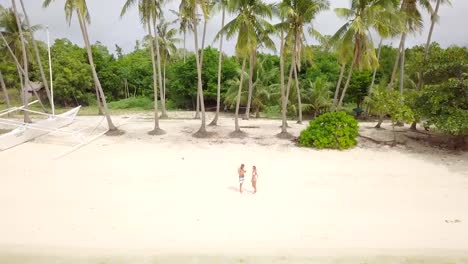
x=240, y=187
x=254, y=185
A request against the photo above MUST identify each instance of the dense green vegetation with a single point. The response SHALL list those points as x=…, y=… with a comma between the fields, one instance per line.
x=129, y=75
x=347, y=71
x=335, y=130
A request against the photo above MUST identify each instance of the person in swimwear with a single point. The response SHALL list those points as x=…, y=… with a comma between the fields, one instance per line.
x=254, y=178
x=241, y=173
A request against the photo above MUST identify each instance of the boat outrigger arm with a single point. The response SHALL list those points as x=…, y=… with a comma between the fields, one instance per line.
x=25, y=132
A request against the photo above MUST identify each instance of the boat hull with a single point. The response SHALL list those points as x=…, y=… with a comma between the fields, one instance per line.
x=27, y=132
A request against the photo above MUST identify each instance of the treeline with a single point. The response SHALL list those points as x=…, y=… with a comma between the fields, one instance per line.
x=130, y=75
x=423, y=83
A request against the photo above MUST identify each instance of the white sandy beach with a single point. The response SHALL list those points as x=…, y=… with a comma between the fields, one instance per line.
x=178, y=195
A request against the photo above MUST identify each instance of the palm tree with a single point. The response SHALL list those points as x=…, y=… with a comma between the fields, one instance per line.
x=250, y=86
x=344, y=52
x=36, y=51
x=220, y=4
x=207, y=8
x=247, y=25
x=189, y=9
x=317, y=95
x=230, y=98
x=434, y=19
x=10, y=31
x=148, y=12
x=167, y=47
x=265, y=88
x=13, y=35
x=299, y=14
x=413, y=22
x=158, y=58
x=264, y=41
x=379, y=51
x=266, y=85
x=384, y=32
x=186, y=25
x=363, y=16
x=183, y=28
x=81, y=9
x=25, y=60
x=281, y=28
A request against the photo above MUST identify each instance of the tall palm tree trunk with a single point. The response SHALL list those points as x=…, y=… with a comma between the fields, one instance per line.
x=402, y=75
x=428, y=44
x=5, y=92
x=157, y=130
x=202, y=130
x=164, y=80
x=338, y=85
x=202, y=51
x=348, y=81
x=197, y=111
x=397, y=62
x=288, y=87
x=97, y=83
x=236, y=118
x=298, y=91
x=99, y=104
x=296, y=63
x=402, y=66
x=158, y=58
x=24, y=96
x=20, y=74
x=251, y=73
x=284, y=100
x=25, y=63
x=36, y=51
x=378, y=59
x=220, y=66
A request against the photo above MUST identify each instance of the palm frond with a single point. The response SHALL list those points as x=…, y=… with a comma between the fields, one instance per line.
x=344, y=13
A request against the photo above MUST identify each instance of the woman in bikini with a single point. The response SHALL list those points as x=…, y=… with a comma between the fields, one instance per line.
x=254, y=178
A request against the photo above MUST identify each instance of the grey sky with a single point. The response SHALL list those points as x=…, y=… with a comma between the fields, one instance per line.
x=109, y=28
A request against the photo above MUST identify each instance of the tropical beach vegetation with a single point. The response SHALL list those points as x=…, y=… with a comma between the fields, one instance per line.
x=344, y=72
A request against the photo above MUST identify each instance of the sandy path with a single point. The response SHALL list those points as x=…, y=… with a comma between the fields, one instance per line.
x=176, y=196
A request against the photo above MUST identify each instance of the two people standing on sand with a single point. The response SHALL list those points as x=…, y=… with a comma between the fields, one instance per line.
x=242, y=172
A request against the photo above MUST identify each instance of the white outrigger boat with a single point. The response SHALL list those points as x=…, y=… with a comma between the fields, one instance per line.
x=25, y=132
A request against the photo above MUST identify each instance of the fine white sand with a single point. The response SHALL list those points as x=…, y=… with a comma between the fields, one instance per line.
x=178, y=195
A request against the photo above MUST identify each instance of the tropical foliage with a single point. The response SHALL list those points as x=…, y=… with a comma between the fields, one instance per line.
x=335, y=130
x=345, y=70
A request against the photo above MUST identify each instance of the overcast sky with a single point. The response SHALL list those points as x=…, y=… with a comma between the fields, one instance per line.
x=107, y=26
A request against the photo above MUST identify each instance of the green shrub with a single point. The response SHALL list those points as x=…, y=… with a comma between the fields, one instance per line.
x=335, y=130
x=171, y=105
x=140, y=103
